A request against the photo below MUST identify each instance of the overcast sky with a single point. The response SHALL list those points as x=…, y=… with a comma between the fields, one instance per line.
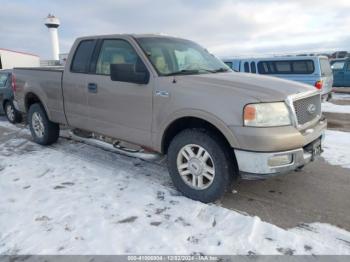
x=225, y=27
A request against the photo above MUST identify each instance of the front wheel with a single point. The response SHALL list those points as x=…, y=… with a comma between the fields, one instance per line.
x=12, y=115
x=44, y=132
x=200, y=166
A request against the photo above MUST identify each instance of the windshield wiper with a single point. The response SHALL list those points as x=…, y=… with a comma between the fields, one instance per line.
x=196, y=71
x=183, y=72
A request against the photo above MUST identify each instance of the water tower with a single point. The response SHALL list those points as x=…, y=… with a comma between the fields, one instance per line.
x=52, y=23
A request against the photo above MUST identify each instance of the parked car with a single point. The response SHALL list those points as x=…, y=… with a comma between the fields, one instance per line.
x=340, y=54
x=165, y=95
x=341, y=72
x=6, y=97
x=312, y=70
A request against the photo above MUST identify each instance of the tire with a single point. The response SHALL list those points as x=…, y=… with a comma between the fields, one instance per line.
x=12, y=115
x=220, y=160
x=44, y=132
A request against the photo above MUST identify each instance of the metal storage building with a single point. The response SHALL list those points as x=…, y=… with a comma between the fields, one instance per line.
x=10, y=59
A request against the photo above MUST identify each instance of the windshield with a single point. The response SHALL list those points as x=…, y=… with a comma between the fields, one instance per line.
x=338, y=65
x=172, y=56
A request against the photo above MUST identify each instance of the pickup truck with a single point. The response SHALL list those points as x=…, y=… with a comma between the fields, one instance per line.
x=152, y=94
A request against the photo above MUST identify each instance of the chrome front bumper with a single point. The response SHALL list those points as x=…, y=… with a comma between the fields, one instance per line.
x=260, y=165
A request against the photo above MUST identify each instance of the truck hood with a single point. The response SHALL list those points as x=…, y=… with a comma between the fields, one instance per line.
x=261, y=88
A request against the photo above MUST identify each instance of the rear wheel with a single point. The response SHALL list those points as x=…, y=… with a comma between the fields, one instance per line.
x=12, y=115
x=44, y=132
x=200, y=165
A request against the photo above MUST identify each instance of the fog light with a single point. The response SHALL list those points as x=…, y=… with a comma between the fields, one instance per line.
x=280, y=160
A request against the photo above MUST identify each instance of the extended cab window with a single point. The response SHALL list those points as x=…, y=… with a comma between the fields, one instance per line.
x=81, y=60
x=115, y=51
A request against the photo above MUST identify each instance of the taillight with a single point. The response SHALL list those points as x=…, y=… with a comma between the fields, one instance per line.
x=13, y=82
x=319, y=84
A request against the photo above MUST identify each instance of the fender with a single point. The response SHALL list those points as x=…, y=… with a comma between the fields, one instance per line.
x=41, y=99
x=200, y=114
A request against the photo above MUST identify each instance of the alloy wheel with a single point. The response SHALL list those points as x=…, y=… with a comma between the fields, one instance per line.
x=196, y=166
x=38, y=125
x=10, y=112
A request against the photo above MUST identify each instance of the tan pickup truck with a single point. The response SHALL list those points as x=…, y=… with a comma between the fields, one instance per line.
x=157, y=95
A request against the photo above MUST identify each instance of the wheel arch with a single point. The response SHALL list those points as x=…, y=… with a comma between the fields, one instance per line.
x=196, y=119
x=195, y=122
x=32, y=98
x=4, y=103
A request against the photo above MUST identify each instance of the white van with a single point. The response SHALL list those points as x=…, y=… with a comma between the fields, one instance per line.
x=312, y=70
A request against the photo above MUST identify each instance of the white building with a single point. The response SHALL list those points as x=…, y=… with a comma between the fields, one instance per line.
x=10, y=59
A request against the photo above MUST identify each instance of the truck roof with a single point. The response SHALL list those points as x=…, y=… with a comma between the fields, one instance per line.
x=130, y=35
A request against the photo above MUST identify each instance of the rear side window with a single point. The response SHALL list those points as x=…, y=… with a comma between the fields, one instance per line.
x=303, y=67
x=246, y=67
x=3, y=80
x=283, y=67
x=81, y=60
x=286, y=67
x=325, y=67
x=252, y=67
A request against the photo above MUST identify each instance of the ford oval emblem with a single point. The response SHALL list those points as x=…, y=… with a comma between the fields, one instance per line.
x=311, y=109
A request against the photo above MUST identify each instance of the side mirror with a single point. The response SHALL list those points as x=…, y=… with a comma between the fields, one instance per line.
x=130, y=73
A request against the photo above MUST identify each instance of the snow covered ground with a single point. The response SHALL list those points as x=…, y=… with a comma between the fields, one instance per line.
x=341, y=96
x=337, y=148
x=333, y=108
x=73, y=198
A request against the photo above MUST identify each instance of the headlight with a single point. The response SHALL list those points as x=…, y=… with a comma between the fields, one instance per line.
x=266, y=115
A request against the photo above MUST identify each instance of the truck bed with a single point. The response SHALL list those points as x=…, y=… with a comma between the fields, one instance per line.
x=44, y=82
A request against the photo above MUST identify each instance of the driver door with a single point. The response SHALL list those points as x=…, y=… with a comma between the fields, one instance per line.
x=122, y=110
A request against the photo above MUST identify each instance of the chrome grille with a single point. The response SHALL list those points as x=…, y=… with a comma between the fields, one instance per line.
x=307, y=109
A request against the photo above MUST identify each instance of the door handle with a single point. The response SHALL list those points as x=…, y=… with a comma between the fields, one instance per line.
x=162, y=93
x=92, y=87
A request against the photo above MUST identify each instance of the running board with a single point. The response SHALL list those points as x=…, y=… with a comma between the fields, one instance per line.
x=116, y=148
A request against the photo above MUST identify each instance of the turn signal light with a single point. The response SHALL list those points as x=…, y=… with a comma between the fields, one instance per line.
x=249, y=113
x=319, y=84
